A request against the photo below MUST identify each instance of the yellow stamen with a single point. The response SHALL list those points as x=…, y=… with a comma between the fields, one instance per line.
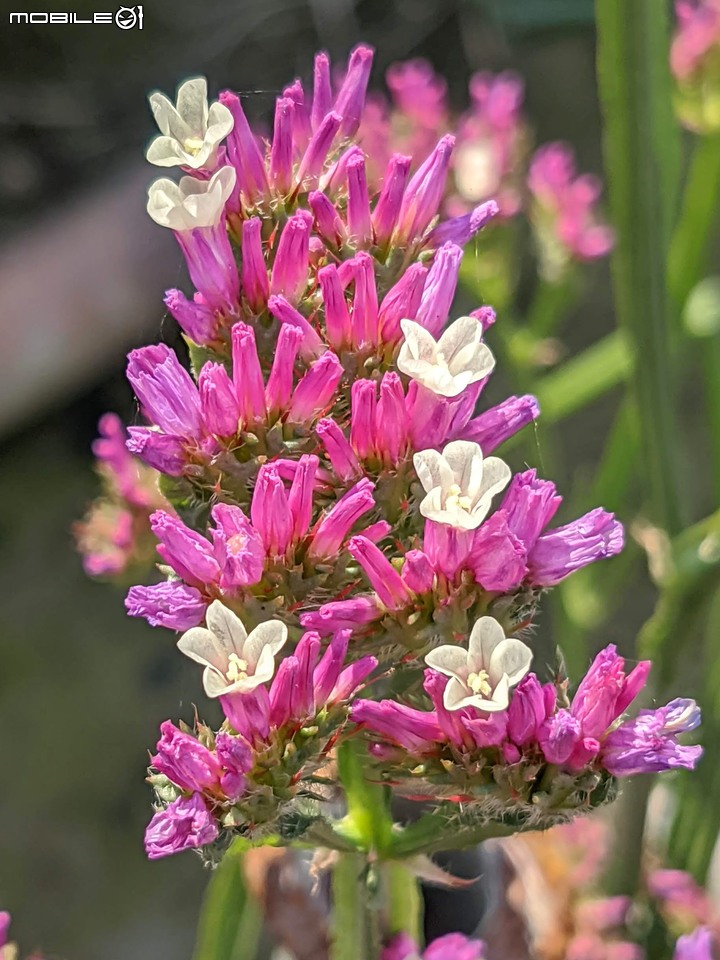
x=478, y=683
x=193, y=145
x=237, y=668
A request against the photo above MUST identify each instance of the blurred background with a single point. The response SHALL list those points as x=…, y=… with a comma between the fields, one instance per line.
x=82, y=273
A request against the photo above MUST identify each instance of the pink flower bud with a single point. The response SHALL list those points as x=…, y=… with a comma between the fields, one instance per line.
x=166, y=391
x=322, y=89
x=300, y=498
x=255, y=284
x=337, y=315
x=401, y=302
x=499, y=423
x=311, y=346
x=281, y=152
x=185, y=761
x=301, y=115
x=383, y=577
x=327, y=220
x=334, y=527
x=328, y=670
x=187, y=552
x=247, y=375
x=167, y=454
x=243, y=152
x=358, y=210
x=183, y=824
x=365, y=303
x=237, y=546
x=498, y=557
x=486, y=316
x=363, y=417
x=387, y=208
x=424, y=193
x=341, y=455
x=526, y=712
x=218, y=402
x=351, y=96
x=195, y=317
x=563, y=550
x=270, y=511
x=337, y=615
x=290, y=269
x=316, y=390
x=391, y=420
x=313, y=160
x=418, y=573
x=282, y=373
x=461, y=230
x=440, y=288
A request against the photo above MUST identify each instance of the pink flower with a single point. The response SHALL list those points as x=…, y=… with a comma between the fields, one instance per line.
x=184, y=824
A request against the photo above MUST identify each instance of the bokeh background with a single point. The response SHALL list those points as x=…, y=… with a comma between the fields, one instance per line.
x=82, y=271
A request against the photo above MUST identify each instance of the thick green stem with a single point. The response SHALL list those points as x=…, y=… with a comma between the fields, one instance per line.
x=354, y=923
x=404, y=901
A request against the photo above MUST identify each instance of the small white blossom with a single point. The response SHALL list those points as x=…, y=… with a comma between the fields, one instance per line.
x=449, y=365
x=459, y=484
x=234, y=661
x=190, y=130
x=476, y=170
x=482, y=675
x=191, y=203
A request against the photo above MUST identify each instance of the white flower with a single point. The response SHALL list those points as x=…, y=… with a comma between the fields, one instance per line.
x=191, y=203
x=234, y=661
x=449, y=365
x=459, y=484
x=482, y=675
x=190, y=131
x=476, y=171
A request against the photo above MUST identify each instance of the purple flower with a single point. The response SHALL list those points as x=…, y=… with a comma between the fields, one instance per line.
x=183, y=824
x=440, y=288
x=195, y=317
x=187, y=552
x=498, y=557
x=235, y=756
x=185, y=761
x=383, y=577
x=529, y=505
x=5, y=920
x=166, y=391
x=290, y=269
x=387, y=208
x=160, y=451
x=559, y=736
x=605, y=692
x=527, y=711
x=561, y=551
x=411, y=729
x=255, y=283
x=453, y=946
x=334, y=527
x=171, y=604
x=218, y=402
x=499, y=423
x=648, y=743
x=350, y=614
x=237, y=547
x=697, y=945
x=351, y=96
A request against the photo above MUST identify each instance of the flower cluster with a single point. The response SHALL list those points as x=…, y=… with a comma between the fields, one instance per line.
x=453, y=946
x=336, y=520
x=695, y=64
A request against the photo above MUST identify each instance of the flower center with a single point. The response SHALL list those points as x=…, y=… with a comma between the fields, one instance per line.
x=479, y=683
x=193, y=145
x=237, y=668
x=456, y=498
x=236, y=544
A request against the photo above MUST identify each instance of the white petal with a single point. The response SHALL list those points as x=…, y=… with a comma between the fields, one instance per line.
x=448, y=659
x=500, y=697
x=271, y=635
x=485, y=636
x=165, y=152
x=465, y=459
x=496, y=476
x=510, y=658
x=432, y=509
x=214, y=683
x=227, y=627
x=456, y=695
x=204, y=647
x=419, y=342
x=475, y=362
x=164, y=200
x=220, y=123
x=265, y=666
x=464, y=332
x=432, y=470
x=167, y=118
x=192, y=104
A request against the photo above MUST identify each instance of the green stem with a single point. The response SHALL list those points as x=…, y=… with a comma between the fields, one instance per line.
x=404, y=901
x=351, y=923
x=642, y=154
x=550, y=305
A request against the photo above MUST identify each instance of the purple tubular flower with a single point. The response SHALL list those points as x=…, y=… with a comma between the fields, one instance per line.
x=282, y=373
x=498, y=557
x=451, y=722
x=526, y=712
x=559, y=736
x=255, y=283
x=449, y=549
x=331, y=663
x=387, y=208
x=337, y=315
x=351, y=678
x=218, y=402
x=697, y=945
x=187, y=552
x=501, y=422
x=185, y=761
x=290, y=269
x=281, y=151
x=170, y=604
x=365, y=302
x=327, y=220
x=166, y=391
x=339, y=452
x=243, y=151
x=455, y=946
x=165, y=453
x=363, y=418
x=648, y=744
x=303, y=692
x=391, y=420
x=351, y=96
x=461, y=230
x=235, y=755
x=529, y=505
x=410, y=729
x=384, y=578
x=424, y=193
x=440, y=288
x=333, y=181
x=605, y=692
x=401, y=302
x=248, y=713
x=247, y=375
x=313, y=159
x=418, y=573
x=5, y=920
x=358, y=210
x=270, y=511
x=431, y=416
x=563, y=550
x=281, y=691
x=300, y=498
x=311, y=346
x=211, y=265
x=183, y=824
x=316, y=389
x=301, y=114
x=194, y=317
x=486, y=316
x=334, y=527
x=322, y=89
x=237, y=546
x=110, y=449
x=342, y=615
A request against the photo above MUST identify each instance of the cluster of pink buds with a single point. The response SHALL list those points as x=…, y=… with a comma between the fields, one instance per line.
x=695, y=65
x=336, y=521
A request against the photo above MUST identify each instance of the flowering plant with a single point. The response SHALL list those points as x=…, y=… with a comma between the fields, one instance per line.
x=340, y=549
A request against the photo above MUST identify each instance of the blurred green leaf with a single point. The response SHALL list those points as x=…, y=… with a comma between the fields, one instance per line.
x=701, y=315
x=230, y=920
x=642, y=161
x=368, y=822
x=585, y=377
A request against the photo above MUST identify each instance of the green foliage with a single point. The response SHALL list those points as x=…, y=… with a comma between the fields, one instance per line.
x=230, y=920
